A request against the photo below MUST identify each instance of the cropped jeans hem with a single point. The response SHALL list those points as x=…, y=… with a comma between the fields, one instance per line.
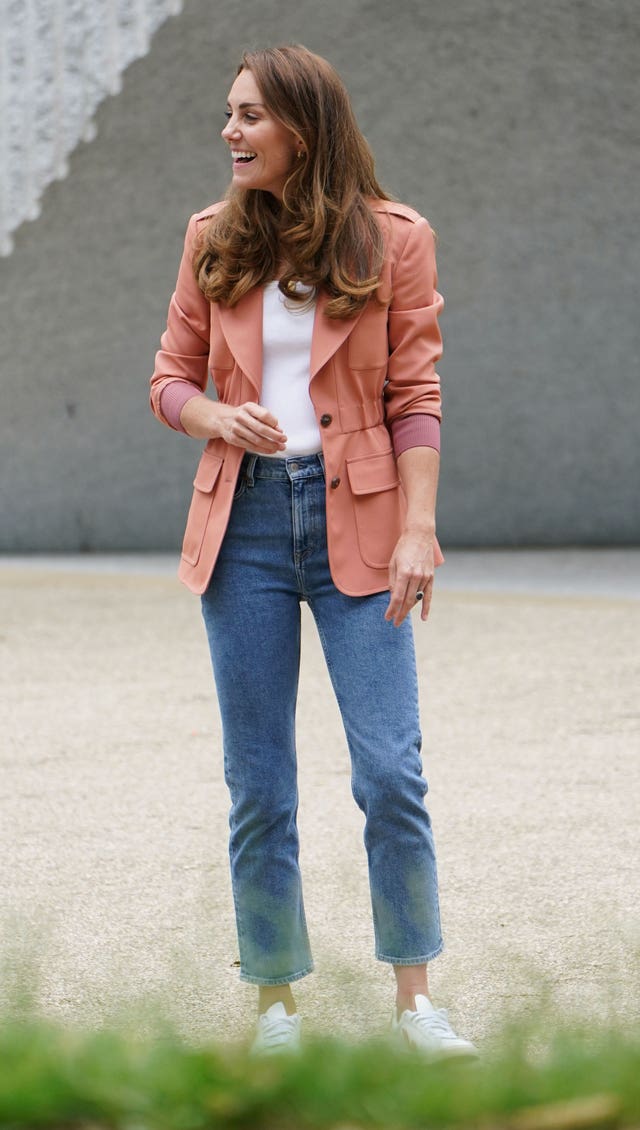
x=411, y=960
x=276, y=980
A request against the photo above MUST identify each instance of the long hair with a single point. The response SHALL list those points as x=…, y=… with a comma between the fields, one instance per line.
x=323, y=228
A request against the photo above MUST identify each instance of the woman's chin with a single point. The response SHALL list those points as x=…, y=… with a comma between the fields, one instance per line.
x=240, y=179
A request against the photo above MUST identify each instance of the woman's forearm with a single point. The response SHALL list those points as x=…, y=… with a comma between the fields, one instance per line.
x=418, y=468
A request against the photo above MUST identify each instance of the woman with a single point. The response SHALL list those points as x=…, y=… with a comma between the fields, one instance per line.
x=310, y=297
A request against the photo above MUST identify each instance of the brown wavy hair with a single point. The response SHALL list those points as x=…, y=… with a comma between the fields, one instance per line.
x=323, y=229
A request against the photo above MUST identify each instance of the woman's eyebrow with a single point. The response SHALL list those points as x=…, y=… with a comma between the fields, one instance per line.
x=246, y=105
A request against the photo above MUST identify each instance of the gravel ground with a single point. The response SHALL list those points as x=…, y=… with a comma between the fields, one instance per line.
x=114, y=888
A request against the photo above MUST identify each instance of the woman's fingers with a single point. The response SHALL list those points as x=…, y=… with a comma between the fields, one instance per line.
x=410, y=582
x=427, y=593
x=261, y=415
x=257, y=429
x=406, y=583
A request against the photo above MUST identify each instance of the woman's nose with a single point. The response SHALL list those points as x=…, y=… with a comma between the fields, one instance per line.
x=229, y=130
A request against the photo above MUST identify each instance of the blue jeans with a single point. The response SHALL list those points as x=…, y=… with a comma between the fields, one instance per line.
x=273, y=556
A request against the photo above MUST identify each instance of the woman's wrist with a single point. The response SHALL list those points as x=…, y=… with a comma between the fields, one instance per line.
x=424, y=527
x=202, y=418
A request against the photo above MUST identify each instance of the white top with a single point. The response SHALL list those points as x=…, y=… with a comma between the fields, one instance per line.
x=287, y=329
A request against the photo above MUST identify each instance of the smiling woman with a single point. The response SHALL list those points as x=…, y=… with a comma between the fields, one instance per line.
x=311, y=299
x=263, y=150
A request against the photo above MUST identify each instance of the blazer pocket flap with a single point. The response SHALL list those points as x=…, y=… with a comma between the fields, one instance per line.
x=207, y=473
x=373, y=473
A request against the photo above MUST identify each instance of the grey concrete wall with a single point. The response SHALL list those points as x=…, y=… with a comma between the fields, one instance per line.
x=512, y=126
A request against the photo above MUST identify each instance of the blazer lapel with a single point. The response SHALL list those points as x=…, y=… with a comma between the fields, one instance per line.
x=242, y=327
x=328, y=333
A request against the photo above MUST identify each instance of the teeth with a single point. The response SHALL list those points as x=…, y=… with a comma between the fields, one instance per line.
x=239, y=153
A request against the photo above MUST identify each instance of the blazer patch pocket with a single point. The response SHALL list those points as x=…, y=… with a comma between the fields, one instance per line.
x=201, y=503
x=368, y=345
x=377, y=503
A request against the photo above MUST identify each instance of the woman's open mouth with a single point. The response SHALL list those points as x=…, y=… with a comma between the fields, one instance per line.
x=242, y=156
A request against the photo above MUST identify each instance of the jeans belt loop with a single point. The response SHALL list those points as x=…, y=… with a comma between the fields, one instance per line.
x=250, y=468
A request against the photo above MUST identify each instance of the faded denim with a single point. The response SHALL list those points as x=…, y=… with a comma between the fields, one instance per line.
x=274, y=555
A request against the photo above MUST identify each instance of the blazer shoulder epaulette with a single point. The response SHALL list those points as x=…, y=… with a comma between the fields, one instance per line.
x=211, y=210
x=396, y=209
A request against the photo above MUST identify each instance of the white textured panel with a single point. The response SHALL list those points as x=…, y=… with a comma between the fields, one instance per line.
x=58, y=60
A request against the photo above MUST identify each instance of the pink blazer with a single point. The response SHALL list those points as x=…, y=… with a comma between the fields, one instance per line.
x=366, y=371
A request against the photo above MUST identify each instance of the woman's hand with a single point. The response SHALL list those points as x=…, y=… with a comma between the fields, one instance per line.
x=248, y=425
x=253, y=427
x=411, y=571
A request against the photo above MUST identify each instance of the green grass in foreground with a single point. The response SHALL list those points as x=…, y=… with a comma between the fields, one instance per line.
x=540, y=1076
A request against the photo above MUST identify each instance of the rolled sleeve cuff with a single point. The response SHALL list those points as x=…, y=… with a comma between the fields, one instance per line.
x=416, y=430
x=173, y=399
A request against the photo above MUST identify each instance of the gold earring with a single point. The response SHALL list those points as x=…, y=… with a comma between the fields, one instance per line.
x=300, y=153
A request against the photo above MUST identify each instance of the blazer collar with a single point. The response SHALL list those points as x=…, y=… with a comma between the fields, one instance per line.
x=242, y=328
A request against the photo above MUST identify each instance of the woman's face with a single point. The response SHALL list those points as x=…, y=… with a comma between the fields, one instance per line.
x=263, y=150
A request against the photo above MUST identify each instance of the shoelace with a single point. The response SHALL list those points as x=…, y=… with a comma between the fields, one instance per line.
x=436, y=1023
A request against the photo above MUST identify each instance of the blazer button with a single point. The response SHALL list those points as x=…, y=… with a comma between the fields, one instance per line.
x=335, y=482
x=326, y=420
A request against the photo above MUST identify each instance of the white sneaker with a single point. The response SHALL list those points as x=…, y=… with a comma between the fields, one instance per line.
x=277, y=1032
x=428, y=1030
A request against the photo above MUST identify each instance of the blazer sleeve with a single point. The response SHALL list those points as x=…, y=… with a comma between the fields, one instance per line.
x=182, y=360
x=415, y=341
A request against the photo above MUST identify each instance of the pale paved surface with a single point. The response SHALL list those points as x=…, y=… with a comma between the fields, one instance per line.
x=113, y=808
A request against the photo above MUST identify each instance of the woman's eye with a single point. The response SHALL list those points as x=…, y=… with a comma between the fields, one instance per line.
x=248, y=117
